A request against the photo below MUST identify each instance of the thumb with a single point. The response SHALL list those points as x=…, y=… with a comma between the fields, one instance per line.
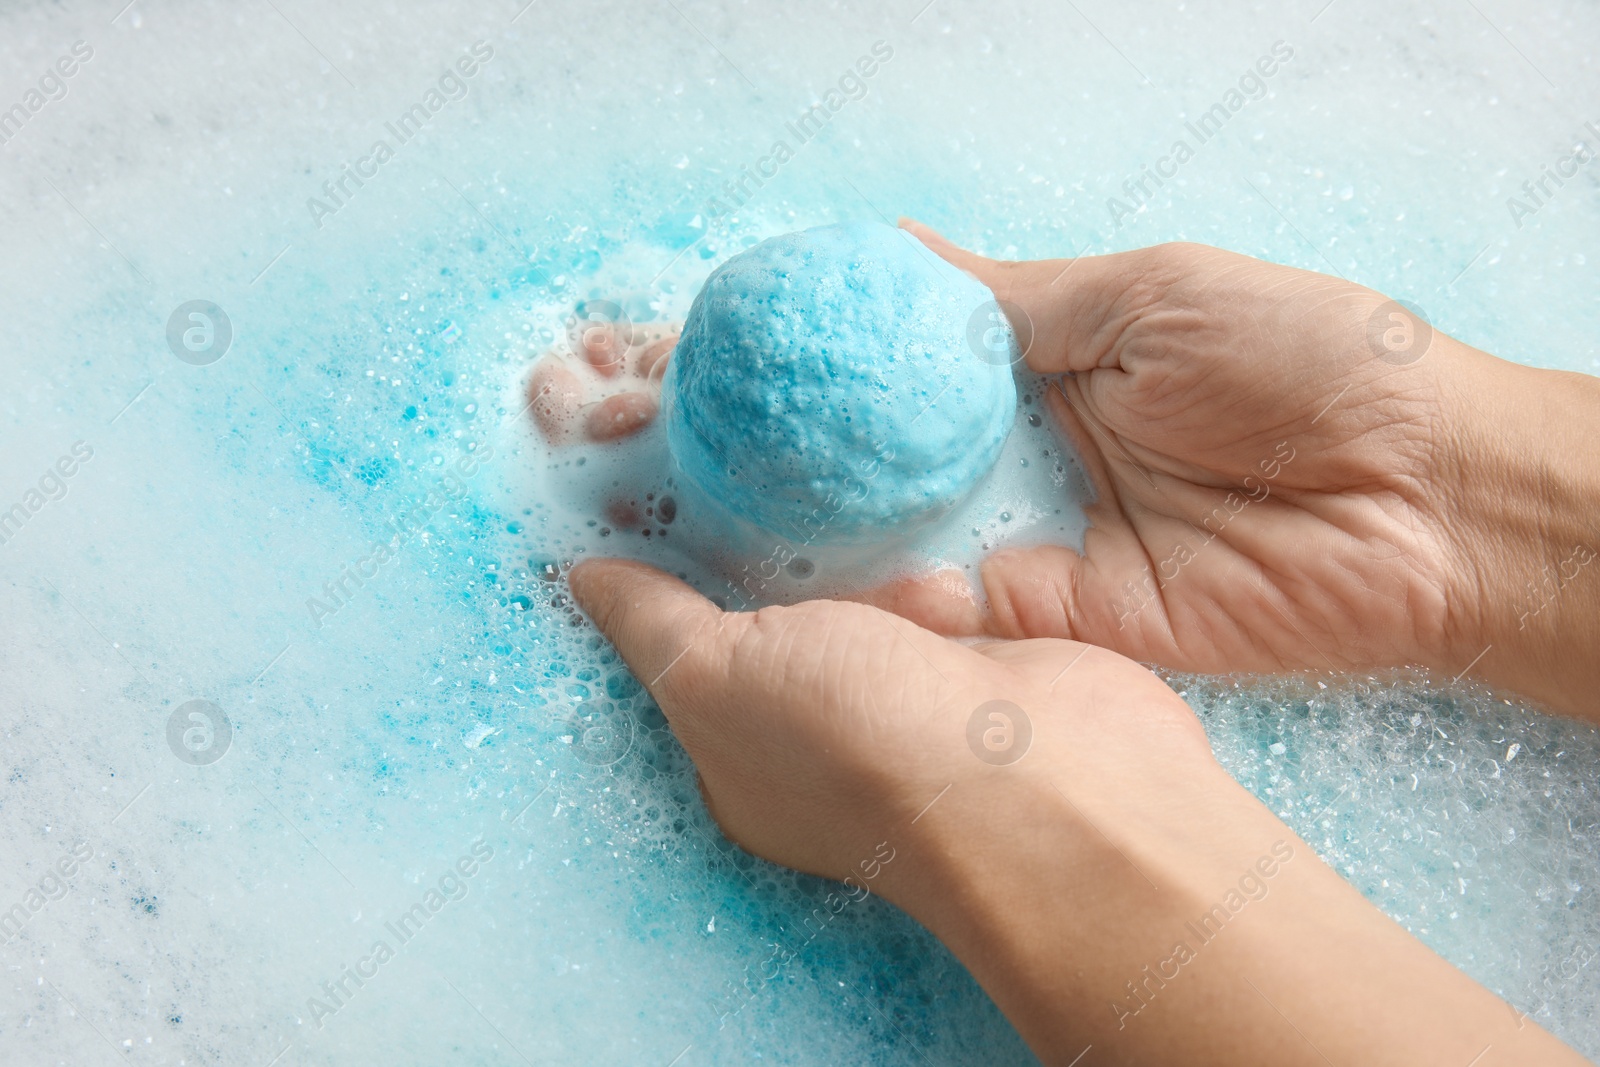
x=991, y=272
x=1060, y=309
x=664, y=630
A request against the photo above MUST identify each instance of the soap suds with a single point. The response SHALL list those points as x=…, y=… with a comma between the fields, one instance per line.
x=367, y=354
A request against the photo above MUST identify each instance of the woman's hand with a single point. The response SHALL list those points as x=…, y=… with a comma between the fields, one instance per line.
x=1053, y=813
x=1292, y=472
x=608, y=386
x=824, y=728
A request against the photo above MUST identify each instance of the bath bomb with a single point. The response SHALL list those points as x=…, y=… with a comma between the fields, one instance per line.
x=840, y=385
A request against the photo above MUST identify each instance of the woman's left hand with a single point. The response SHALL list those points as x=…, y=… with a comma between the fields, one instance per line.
x=824, y=728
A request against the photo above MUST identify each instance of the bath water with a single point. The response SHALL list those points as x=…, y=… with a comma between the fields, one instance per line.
x=289, y=657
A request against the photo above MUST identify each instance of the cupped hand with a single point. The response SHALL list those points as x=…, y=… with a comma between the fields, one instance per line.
x=1274, y=455
x=838, y=739
x=825, y=729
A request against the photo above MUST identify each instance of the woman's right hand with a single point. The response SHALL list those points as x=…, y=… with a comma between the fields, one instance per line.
x=607, y=387
x=1292, y=472
x=1054, y=814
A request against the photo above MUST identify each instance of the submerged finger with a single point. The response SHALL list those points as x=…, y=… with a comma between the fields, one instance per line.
x=653, y=360
x=554, y=399
x=619, y=416
x=941, y=601
x=602, y=348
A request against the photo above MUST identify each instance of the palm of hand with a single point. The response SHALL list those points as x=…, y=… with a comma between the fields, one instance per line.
x=823, y=728
x=1258, y=472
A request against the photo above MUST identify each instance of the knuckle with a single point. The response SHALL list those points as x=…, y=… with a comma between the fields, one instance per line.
x=1162, y=266
x=1178, y=256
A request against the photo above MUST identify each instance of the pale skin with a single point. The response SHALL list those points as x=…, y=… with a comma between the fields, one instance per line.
x=1420, y=501
x=605, y=386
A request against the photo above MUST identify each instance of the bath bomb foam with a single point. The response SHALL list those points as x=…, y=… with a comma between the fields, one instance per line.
x=827, y=386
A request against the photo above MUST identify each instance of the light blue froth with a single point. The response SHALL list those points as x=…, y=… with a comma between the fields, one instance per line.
x=840, y=385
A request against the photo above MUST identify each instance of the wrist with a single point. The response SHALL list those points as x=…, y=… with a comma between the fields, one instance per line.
x=1170, y=917
x=1059, y=885
x=1526, y=522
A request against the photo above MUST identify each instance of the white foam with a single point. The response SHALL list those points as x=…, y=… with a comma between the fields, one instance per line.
x=370, y=352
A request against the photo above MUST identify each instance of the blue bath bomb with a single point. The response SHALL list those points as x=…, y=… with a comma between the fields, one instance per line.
x=841, y=385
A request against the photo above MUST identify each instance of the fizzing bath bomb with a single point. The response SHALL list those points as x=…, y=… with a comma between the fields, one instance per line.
x=841, y=385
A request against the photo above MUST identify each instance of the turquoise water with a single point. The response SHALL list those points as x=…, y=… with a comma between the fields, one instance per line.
x=339, y=532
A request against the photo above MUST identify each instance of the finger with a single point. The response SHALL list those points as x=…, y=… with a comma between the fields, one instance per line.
x=602, y=348
x=618, y=416
x=653, y=360
x=943, y=602
x=986, y=270
x=554, y=396
x=1054, y=591
x=1106, y=595
x=1047, y=656
x=665, y=631
x=1132, y=478
x=1113, y=471
x=1032, y=592
x=1067, y=312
